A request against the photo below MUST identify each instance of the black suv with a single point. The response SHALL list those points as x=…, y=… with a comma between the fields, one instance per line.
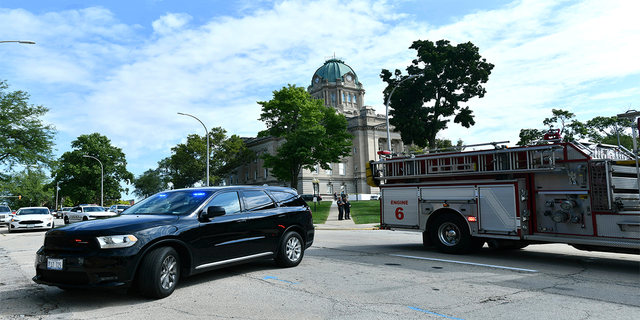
x=177, y=233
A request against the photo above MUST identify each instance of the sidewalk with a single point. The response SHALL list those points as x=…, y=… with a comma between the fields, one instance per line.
x=333, y=223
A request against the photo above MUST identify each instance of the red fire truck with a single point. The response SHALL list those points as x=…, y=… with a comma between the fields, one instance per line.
x=584, y=195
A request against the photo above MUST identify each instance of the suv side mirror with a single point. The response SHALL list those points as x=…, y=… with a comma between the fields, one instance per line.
x=215, y=211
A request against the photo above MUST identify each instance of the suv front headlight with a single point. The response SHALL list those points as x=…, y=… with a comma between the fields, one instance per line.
x=118, y=241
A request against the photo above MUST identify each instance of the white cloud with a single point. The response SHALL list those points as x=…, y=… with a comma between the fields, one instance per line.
x=99, y=75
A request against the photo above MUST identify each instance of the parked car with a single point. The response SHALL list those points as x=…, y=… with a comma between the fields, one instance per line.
x=309, y=197
x=31, y=218
x=60, y=213
x=175, y=234
x=85, y=213
x=118, y=208
x=5, y=214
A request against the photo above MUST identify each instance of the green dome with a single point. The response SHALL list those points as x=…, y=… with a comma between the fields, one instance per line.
x=334, y=69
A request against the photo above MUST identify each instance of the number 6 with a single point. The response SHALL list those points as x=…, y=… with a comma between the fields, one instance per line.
x=399, y=213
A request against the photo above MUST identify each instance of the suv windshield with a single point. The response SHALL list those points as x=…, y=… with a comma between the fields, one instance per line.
x=175, y=203
x=4, y=209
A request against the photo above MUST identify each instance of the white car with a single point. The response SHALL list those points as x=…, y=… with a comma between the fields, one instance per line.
x=85, y=213
x=31, y=218
x=118, y=208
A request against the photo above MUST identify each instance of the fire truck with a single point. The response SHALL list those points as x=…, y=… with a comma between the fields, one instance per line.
x=582, y=194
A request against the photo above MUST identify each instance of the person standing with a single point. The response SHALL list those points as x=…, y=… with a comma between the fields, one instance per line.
x=340, y=208
x=347, y=209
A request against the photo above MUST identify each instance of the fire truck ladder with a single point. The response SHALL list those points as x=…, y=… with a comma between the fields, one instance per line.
x=499, y=161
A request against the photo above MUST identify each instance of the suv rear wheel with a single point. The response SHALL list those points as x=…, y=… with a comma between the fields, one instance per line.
x=291, y=250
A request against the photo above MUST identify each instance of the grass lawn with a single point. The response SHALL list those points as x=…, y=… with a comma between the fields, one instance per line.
x=365, y=211
x=322, y=211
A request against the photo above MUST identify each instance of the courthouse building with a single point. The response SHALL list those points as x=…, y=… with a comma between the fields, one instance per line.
x=338, y=85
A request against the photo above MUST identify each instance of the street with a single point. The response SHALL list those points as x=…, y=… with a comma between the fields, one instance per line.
x=354, y=274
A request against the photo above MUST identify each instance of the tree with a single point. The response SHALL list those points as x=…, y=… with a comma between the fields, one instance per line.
x=313, y=134
x=187, y=163
x=80, y=177
x=599, y=129
x=32, y=185
x=149, y=183
x=24, y=139
x=444, y=76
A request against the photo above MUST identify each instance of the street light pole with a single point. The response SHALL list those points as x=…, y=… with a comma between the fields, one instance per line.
x=206, y=132
x=388, y=99
x=19, y=41
x=101, y=180
x=57, y=195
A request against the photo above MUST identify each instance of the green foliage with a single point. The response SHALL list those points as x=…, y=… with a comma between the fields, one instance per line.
x=80, y=177
x=448, y=75
x=313, y=133
x=32, y=185
x=188, y=163
x=149, y=183
x=24, y=139
x=321, y=213
x=599, y=129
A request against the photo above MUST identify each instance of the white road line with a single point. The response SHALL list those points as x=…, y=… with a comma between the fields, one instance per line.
x=461, y=262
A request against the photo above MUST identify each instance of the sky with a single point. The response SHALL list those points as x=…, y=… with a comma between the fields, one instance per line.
x=125, y=69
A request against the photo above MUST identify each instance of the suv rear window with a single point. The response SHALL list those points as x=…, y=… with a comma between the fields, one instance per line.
x=287, y=199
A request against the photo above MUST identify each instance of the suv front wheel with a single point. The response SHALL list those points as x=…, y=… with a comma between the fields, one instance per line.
x=159, y=273
x=291, y=250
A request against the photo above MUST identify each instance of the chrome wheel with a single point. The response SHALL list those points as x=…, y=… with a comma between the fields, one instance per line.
x=293, y=249
x=169, y=272
x=449, y=234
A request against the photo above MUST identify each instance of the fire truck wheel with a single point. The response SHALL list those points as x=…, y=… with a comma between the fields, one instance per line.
x=450, y=234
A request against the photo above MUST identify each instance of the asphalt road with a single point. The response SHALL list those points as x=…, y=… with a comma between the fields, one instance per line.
x=354, y=274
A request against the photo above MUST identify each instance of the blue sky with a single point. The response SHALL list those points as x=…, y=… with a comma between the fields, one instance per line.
x=125, y=68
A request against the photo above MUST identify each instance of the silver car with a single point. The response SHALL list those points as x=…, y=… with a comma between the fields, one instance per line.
x=85, y=213
x=5, y=215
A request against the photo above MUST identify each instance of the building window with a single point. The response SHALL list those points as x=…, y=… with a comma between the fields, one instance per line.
x=343, y=98
x=330, y=170
x=349, y=96
x=329, y=189
x=315, y=169
x=354, y=151
x=354, y=98
x=246, y=176
x=255, y=174
x=231, y=180
x=266, y=173
x=333, y=97
x=341, y=169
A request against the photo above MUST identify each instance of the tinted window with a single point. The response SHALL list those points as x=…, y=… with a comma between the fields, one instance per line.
x=4, y=209
x=179, y=202
x=257, y=200
x=93, y=209
x=287, y=199
x=229, y=200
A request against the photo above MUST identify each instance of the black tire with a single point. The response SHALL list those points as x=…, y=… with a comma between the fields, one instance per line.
x=450, y=234
x=66, y=220
x=426, y=240
x=291, y=250
x=85, y=219
x=159, y=273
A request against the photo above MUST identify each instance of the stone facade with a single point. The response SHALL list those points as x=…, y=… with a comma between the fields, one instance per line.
x=338, y=85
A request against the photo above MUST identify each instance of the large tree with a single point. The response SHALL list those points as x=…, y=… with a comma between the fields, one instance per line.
x=149, y=183
x=80, y=177
x=444, y=76
x=187, y=164
x=313, y=134
x=33, y=187
x=24, y=138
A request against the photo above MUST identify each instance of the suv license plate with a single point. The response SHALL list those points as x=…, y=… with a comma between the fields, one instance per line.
x=55, y=264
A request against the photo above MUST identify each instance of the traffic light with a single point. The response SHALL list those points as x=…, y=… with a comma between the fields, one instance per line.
x=19, y=197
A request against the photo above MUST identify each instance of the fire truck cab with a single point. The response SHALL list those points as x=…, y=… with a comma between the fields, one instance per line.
x=584, y=195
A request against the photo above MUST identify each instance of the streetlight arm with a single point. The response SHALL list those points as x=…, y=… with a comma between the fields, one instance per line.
x=19, y=41
x=389, y=99
x=101, y=180
x=206, y=132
